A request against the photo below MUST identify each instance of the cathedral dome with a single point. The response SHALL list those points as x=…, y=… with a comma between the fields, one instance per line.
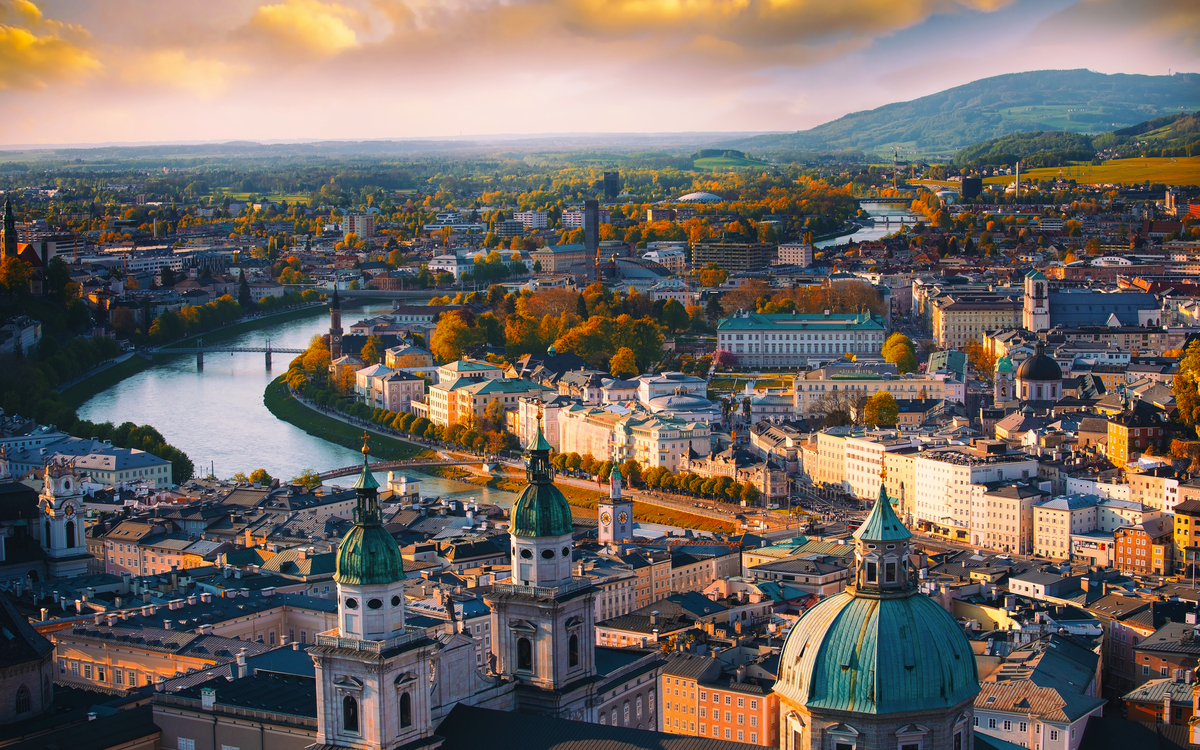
x=1039, y=367
x=1003, y=365
x=879, y=647
x=877, y=656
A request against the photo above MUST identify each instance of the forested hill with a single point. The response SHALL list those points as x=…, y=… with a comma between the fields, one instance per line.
x=1078, y=101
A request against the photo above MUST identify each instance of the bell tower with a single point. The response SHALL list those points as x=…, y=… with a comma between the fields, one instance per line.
x=61, y=521
x=335, y=326
x=1004, y=388
x=1035, y=314
x=543, y=622
x=372, y=671
x=881, y=547
x=9, y=238
x=616, y=513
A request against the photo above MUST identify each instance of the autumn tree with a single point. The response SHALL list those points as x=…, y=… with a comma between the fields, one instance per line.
x=14, y=276
x=372, y=351
x=881, y=409
x=899, y=350
x=261, y=476
x=308, y=478
x=1186, y=385
x=980, y=358
x=623, y=365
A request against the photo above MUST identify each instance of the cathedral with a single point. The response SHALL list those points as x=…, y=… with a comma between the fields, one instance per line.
x=383, y=684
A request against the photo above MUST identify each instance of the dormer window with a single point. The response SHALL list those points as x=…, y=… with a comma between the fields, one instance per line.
x=872, y=572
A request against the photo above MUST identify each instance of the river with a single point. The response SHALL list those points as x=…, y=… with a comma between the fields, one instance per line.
x=868, y=234
x=216, y=415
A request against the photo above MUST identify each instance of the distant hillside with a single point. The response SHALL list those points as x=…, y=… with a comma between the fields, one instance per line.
x=1170, y=136
x=1077, y=101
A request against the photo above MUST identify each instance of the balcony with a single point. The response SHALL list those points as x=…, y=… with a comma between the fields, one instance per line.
x=543, y=592
x=329, y=639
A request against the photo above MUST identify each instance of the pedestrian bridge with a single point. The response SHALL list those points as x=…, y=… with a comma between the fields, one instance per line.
x=488, y=462
x=200, y=349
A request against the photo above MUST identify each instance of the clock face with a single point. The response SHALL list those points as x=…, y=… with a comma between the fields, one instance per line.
x=70, y=511
x=605, y=518
x=337, y=338
x=623, y=517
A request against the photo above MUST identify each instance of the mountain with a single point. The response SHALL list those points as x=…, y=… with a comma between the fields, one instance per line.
x=1170, y=135
x=1077, y=101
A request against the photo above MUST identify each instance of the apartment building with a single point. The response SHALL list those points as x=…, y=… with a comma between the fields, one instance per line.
x=831, y=457
x=943, y=478
x=1069, y=525
x=1002, y=515
x=795, y=254
x=789, y=340
x=957, y=320
x=531, y=219
x=1145, y=548
x=649, y=440
x=813, y=386
x=1157, y=488
x=704, y=697
x=864, y=460
x=1186, y=544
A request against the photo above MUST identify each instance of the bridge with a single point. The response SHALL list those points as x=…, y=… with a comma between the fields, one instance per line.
x=889, y=199
x=200, y=349
x=345, y=471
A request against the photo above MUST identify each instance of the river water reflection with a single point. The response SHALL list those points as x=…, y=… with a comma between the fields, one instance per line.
x=216, y=415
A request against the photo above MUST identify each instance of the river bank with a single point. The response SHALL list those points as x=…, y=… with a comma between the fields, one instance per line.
x=281, y=403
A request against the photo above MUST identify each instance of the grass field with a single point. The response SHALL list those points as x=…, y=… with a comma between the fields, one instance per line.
x=280, y=403
x=1183, y=170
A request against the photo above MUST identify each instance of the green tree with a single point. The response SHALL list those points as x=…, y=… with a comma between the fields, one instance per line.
x=899, y=350
x=881, y=409
x=309, y=478
x=623, y=364
x=244, y=298
x=674, y=316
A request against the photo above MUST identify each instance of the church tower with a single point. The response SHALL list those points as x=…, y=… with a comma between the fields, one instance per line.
x=9, y=232
x=1035, y=315
x=616, y=513
x=1004, y=388
x=372, y=671
x=335, y=326
x=543, y=622
x=61, y=522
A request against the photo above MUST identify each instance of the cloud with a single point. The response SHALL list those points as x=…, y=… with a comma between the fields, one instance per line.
x=203, y=77
x=35, y=51
x=306, y=26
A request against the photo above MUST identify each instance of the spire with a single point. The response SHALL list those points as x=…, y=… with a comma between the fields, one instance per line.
x=537, y=463
x=335, y=303
x=367, y=512
x=882, y=525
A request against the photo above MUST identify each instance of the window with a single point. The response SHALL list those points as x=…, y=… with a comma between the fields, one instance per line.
x=573, y=650
x=910, y=746
x=991, y=723
x=185, y=744
x=1145, y=669
x=625, y=711
x=405, y=710
x=872, y=572
x=1008, y=726
x=753, y=705
x=703, y=714
x=1164, y=671
x=229, y=747
x=349, y=715
x=958, y=743
x=1024, y=727
x=639, y=708
x=87, y=671
x=728, y=701
x=525, y=656
x=24, y=703
x=741, y=736
x=703, y=695
x=1053, y=735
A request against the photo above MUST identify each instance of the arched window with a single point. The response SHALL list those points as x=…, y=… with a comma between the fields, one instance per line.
x=24, y=700
x=46, y=539
x=524, y=654
x=349, y=714
x=69, y=527
x=573, y=650
x=405, y=710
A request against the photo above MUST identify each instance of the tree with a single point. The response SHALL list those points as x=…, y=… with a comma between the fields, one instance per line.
x=882, y=409
x=899, y=350
x=837, y=418
x=244, y=298
x=261, y=476
x=166, y=276
x=14, y=276
x=372, y=351
x=1187, y=386
x=309, y=478
x=496, y=414
x=981, y=359
x=675, y=316
x=581, y=307
x=623, y=365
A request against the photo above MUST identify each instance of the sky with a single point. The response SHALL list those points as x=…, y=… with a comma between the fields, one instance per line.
x=128, y=71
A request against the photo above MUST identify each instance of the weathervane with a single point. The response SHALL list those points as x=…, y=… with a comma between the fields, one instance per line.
x=366, y=437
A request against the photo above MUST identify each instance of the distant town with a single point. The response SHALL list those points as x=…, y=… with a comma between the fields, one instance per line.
x=836, y=455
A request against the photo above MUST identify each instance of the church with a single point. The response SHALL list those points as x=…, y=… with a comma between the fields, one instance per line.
x=1045, y=307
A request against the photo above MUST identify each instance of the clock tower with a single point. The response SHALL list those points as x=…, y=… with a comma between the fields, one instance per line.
x=62, y=523
x=616, y=513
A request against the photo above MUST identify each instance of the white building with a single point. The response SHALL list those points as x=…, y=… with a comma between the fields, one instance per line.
x=944, y=477
x=531, y=219
x=795, y=254
x=451, y=264
x=789, y=340
x=864, y=460
x=651, y=441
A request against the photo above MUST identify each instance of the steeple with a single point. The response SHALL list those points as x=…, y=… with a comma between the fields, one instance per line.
x=335, y=326
x=10, y=229
x=367, y=512
x=368, y=555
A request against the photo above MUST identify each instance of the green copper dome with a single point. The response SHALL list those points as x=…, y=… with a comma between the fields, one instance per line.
x=883, y=525
x=368, y=555
x=877, y=656
x=1004, y=364
x=541, y=509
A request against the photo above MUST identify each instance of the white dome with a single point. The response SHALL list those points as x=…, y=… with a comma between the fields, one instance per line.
x=699, y=198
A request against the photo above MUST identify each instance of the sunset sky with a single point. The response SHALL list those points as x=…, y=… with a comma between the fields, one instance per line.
x=121, y=71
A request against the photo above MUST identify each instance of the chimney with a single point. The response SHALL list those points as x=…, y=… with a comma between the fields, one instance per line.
x=192, y=599
x=145, y=597
x=206, y=597
x=654, y=617
x=295, y=645
x=283, y=640
x=160, y=685
x=208, y=697
x=78, y=606
x=741, y=673
x=1167, y=707
x=99, y=618
x=242, y=669
x=45, y=614
x=166, y=624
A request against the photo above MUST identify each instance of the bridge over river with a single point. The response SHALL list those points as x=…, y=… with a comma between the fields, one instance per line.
x=200, y=349
x=487, y=462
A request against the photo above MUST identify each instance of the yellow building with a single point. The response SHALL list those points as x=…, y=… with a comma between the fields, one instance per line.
x=959, y=320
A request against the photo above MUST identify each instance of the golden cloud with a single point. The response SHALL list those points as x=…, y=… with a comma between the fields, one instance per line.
x=174, y=68
x=35, y=51
x=307, y=26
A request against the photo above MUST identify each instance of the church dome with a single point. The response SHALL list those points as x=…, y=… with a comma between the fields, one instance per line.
x=1039, y=366
x=1003, y=365
x=541, y=509
x=880, y=646
x=877, y=656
